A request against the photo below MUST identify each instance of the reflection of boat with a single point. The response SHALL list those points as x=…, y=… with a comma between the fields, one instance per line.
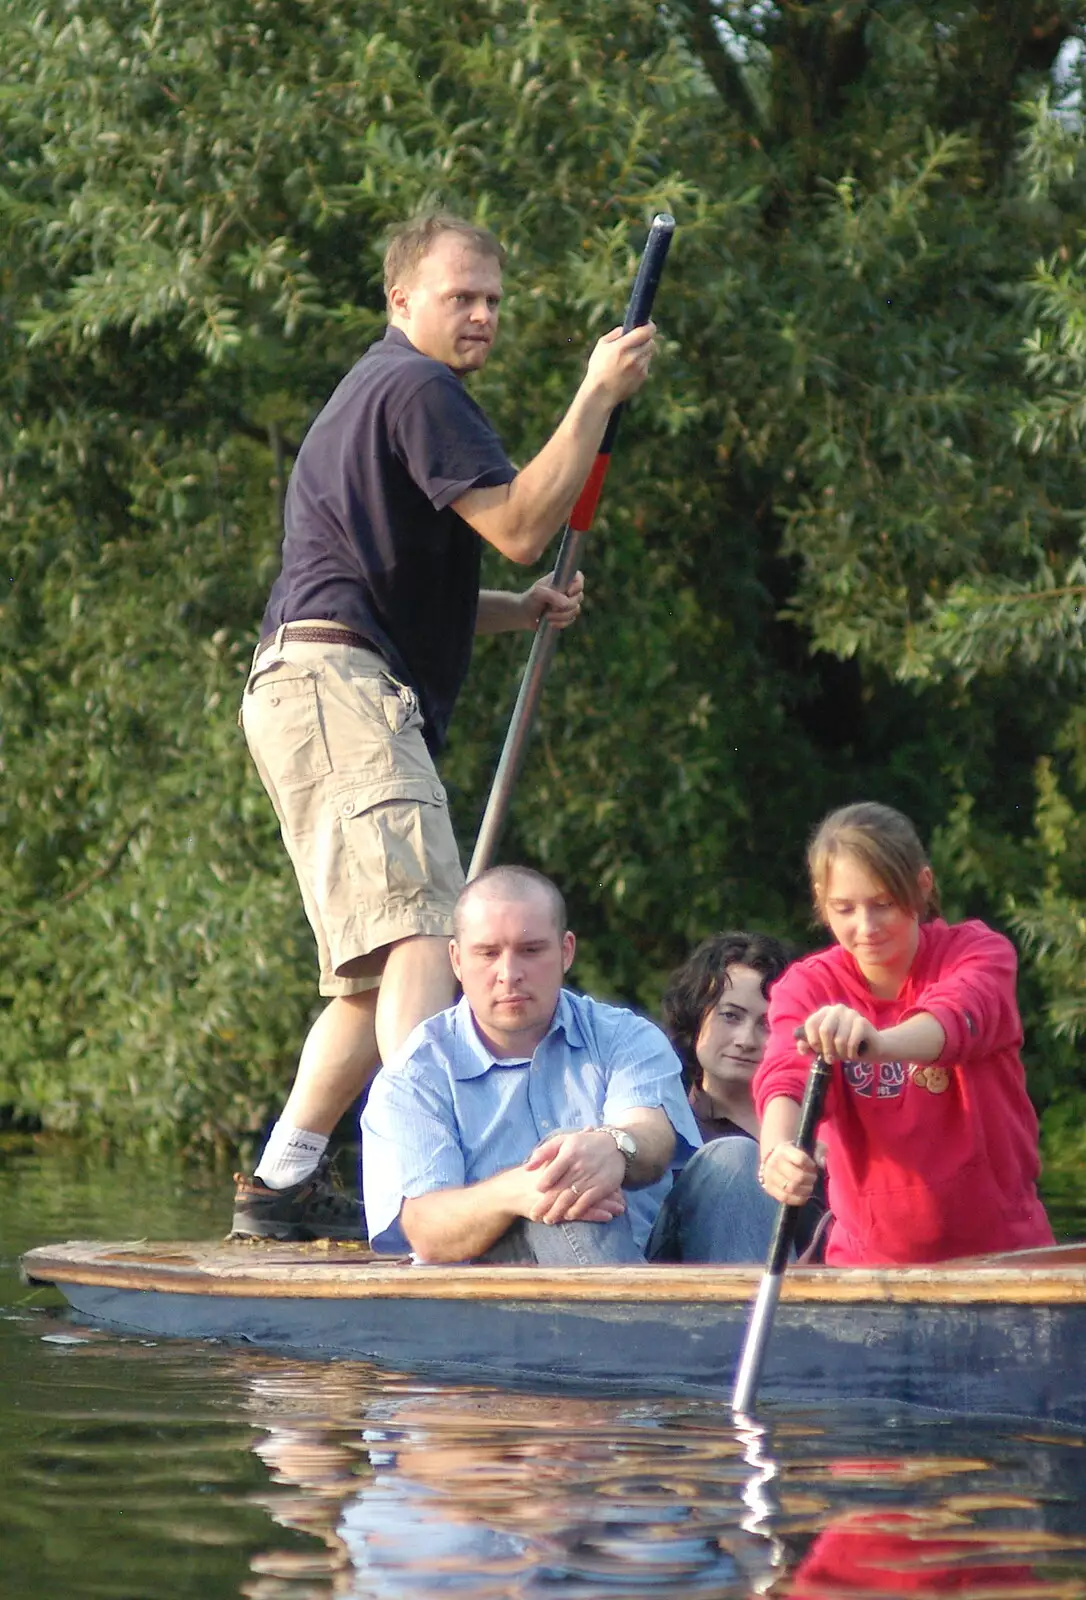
x=997, y=1334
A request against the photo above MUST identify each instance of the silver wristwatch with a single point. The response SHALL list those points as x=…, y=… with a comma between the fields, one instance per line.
x=626, y=1143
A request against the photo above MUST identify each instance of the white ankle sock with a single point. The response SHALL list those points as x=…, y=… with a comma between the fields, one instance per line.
x=290, y=1155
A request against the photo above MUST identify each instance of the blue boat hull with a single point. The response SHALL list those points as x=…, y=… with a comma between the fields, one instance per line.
x=1021, y=1360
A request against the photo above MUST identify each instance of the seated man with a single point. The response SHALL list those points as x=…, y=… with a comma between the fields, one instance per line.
x=527, y=1123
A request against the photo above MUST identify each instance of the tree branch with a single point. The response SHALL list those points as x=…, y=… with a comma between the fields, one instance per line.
x=253, y=430
x=27, y=919
x=701, y=18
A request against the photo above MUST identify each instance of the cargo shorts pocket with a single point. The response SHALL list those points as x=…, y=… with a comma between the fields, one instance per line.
x=391, y=705
x=281, y=718
x=397, y=838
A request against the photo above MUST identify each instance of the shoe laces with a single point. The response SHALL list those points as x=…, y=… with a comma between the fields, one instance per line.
x=327, y=1198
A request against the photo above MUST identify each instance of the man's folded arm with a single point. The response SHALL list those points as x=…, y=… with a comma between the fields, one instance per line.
x=646, y=1083
x=409, y=1144
x=651, y=1127
x=460, y=1224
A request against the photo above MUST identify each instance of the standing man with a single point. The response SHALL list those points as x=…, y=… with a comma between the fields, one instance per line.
x=527, y=1123
x=365, y=643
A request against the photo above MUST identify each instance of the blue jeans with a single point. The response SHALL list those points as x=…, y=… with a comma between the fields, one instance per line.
x=566, y=1244
x=716, y=1210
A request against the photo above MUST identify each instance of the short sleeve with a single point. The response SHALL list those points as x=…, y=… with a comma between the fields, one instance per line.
x=447, y=443
x=409, y=1148
x=644, y=1072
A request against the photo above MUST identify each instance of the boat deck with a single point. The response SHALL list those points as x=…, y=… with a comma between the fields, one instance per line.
x=329, y=1271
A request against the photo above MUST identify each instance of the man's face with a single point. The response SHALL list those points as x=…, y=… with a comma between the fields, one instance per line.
x=511, y=959
x=448, y=308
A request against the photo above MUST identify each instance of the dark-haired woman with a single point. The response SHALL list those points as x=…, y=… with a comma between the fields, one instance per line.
x=715, y=1013
x=931, y=1138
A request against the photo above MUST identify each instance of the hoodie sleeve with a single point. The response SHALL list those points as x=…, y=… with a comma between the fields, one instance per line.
x=796, y=993
x=971, y=994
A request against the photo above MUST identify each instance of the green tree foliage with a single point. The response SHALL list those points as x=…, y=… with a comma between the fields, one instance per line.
x=840, y=553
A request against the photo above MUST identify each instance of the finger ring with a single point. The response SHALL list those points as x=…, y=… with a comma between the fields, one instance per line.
x=575, y=1189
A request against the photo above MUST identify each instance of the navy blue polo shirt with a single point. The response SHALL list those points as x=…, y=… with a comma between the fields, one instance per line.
x=371, y=539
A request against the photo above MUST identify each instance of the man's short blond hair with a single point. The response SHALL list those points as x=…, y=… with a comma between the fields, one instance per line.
x=415, y=239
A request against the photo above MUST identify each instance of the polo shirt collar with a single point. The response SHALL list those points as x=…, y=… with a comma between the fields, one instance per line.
x=397, y=337
x=474, y=1059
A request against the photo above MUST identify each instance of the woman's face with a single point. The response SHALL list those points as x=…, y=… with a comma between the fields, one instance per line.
x=733, y=1032
x=867, y=921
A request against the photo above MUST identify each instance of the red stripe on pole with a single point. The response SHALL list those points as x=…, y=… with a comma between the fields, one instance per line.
x=580, y=518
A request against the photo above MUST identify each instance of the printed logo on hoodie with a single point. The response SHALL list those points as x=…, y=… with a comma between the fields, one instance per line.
x=885, y=1080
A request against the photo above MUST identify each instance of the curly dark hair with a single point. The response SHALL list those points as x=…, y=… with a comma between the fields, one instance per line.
x=695, y=987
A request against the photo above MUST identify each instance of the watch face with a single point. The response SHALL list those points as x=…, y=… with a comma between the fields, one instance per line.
x=626, y=1143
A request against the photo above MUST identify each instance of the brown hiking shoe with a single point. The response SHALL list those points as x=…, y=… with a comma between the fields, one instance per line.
x=311, y=1209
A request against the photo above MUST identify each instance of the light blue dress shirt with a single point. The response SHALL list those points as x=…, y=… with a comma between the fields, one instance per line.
x=443, y=1113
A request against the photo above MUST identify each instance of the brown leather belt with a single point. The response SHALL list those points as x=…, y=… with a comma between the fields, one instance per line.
x=298, y=633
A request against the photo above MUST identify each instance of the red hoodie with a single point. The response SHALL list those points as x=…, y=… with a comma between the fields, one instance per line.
x=924, y=1163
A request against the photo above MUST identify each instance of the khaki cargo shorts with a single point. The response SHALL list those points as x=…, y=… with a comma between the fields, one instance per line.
x=338, y=744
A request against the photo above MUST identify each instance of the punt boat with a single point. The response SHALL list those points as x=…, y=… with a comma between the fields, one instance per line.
x=1001, y=1334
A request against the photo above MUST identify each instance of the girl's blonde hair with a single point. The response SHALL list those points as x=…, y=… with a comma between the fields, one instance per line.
x=886, y=845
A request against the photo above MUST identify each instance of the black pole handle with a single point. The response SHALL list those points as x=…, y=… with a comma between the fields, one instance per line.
x=649, y=272
x=810, y=1115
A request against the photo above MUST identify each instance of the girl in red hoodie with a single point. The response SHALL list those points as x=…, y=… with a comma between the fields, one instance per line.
x=931, y=1140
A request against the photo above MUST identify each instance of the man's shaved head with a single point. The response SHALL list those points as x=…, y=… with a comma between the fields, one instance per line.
x=510, y=883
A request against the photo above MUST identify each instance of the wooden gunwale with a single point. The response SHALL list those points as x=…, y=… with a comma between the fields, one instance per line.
x=1041, y=1277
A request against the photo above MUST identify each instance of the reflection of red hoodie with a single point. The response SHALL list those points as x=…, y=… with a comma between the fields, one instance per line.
x=925, y=1162
x=893, y=1553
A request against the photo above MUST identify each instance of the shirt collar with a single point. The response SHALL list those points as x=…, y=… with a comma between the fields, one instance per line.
x=397, y=337
x=474, y=1058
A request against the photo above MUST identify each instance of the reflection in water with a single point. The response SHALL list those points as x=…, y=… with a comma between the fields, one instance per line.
x=136, y=1469
x=482, y=1492
x=764, y=1551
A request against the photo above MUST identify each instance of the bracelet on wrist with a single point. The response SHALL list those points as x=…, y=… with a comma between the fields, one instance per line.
x=767, y=1158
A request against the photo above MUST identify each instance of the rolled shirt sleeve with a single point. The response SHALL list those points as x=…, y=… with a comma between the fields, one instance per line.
x=646, y=1075
x=410, y=1147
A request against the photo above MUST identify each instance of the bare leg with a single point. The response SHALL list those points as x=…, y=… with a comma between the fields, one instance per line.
x=338, y=1059
x=341, y=1055
x=417, y=982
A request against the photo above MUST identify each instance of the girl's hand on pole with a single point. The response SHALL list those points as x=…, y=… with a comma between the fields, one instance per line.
x=837, y=1033
x=787, y=1175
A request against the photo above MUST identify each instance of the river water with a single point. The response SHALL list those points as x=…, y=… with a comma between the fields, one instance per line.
x=138, y=1469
